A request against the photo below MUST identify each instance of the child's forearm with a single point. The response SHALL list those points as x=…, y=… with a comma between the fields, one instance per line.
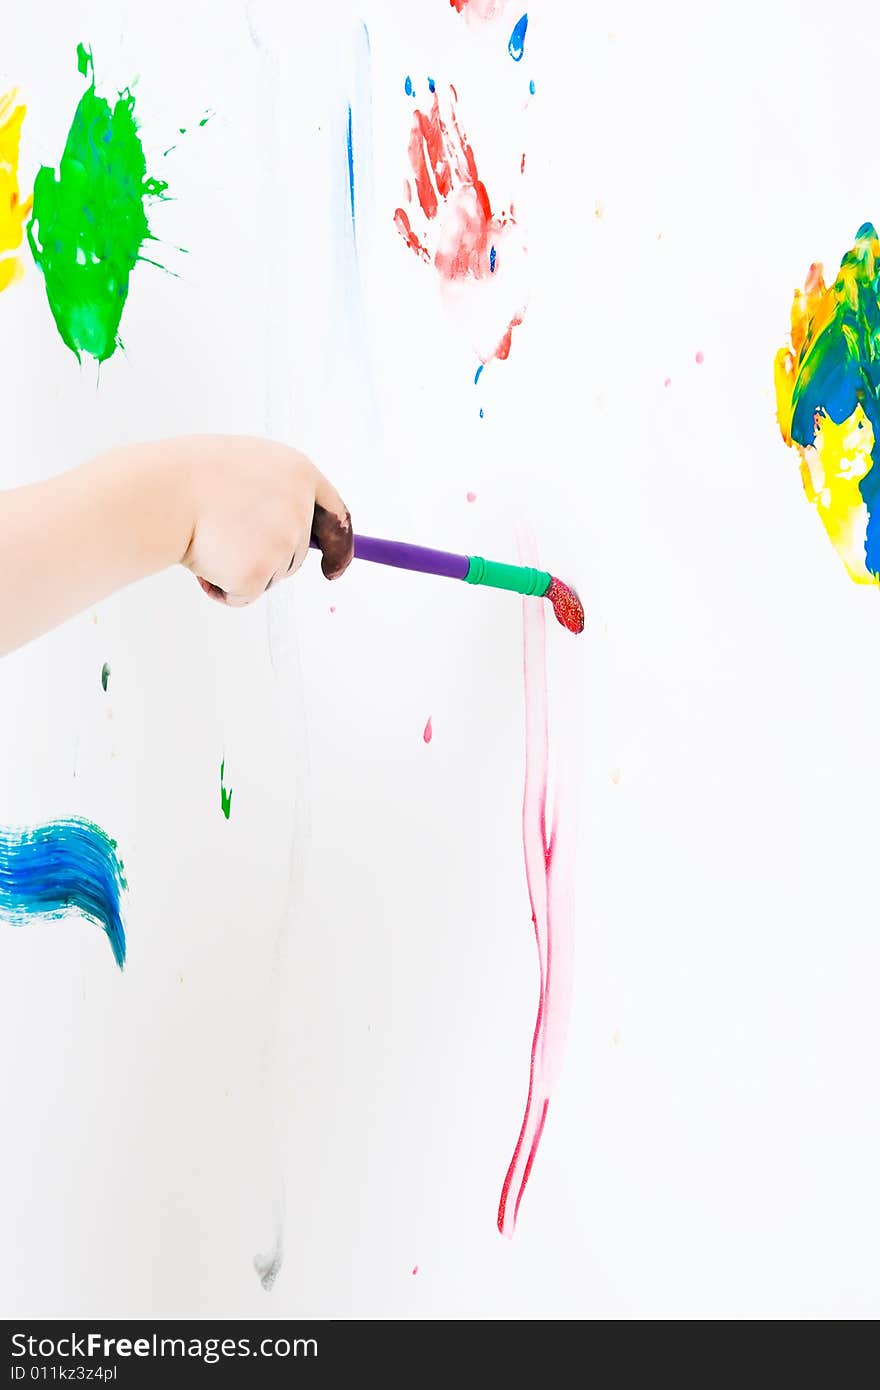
x=69, y=542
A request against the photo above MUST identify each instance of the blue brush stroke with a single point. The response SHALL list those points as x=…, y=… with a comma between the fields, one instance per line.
x=63, y=866
x=517, y=43
x=532, y=87
x=479, y=372
x=492, y=259
x=350, y=170
x=431, y=84
x=408, y=86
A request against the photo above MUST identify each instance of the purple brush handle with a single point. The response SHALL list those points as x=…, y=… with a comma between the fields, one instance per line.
x=410, y=557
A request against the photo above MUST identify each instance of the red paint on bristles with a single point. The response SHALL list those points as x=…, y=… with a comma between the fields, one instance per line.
x=566, y=605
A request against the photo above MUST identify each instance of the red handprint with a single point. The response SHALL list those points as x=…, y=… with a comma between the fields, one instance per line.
x=478, y=9
x=479, y=256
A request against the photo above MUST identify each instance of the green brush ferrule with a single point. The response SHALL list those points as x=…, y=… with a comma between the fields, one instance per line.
x=520, y=579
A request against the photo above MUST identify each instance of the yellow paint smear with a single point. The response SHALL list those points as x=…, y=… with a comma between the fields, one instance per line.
x=831, y=471
x=13, y=212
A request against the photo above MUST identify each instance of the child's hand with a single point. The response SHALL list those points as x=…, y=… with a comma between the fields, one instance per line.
x=238, y=512
x=256, y=505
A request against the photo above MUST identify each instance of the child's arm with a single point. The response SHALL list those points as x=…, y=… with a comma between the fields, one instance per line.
x=238, y=512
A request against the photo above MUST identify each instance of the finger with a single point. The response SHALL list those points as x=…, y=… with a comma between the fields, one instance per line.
x=331, y=530
x=212, y=590
x=230, y=600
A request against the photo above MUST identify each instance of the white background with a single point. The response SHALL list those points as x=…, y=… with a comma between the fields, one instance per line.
x=322, y=1031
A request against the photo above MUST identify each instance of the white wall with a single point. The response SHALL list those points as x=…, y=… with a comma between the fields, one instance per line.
x=324, y=1023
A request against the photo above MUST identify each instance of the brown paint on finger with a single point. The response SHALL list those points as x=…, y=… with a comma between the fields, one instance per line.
x=335, y=539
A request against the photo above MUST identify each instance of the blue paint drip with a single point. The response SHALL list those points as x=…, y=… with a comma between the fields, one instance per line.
x=408, y=86
x=350, y=169
x=63, y=866
x=532, y=87
x=492, y=259
x=481, y=412
x=431, y=84
x=517, y=42
x=479, y=372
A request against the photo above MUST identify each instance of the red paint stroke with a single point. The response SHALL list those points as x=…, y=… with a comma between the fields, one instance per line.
x=548, y=852
x=415, y=1269
x=428, y=733
x=503, y=349
x=462, y=238
x=471, y=496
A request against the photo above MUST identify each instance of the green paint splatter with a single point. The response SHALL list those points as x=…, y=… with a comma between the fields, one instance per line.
x=182, y=130
x=225, y=796
x=105, y=675
x=89, y=221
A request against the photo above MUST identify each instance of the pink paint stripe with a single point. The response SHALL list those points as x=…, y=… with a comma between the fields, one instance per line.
x=549, y=877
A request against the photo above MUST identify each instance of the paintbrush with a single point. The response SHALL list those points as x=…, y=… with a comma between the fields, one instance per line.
x=473, y=569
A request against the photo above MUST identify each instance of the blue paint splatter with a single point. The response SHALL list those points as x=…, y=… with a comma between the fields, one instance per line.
x=518, y=38
x=479, y=372
x=492, y=260
x=431, y=85
x=408, y=87
x=350, y=169
x=532, y=87
x=481, y=412
x=63, y=866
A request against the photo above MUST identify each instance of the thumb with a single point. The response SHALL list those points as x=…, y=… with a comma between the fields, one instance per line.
x=331, y=529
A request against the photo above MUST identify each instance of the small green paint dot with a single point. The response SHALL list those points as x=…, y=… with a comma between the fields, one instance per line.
x=105, y=675
x=225, y=796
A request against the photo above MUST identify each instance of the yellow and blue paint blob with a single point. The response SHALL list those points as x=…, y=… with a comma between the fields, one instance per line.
x=828, y=401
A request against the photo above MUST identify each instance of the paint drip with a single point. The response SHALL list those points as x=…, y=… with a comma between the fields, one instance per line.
x=60, y=867
x=225, y=795
x=12, y=210
x=517, y=42
x=89, y=219
x=268, y=1267
x=828, y=401
x=549, y=863
x=479, y=255
x=428, y=731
